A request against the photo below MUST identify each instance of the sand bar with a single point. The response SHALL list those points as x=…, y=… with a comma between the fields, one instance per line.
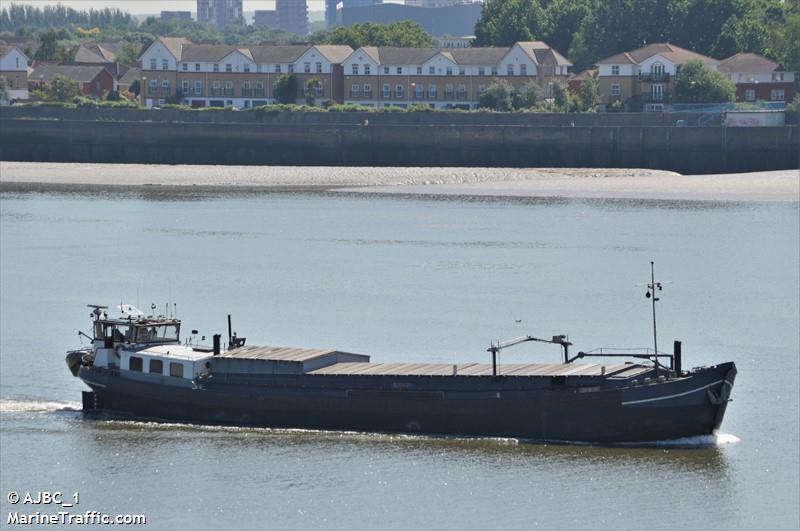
x=538, y=182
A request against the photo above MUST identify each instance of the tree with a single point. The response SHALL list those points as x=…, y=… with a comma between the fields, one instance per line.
x=4, y=95
x=62, y=88
x=504, y=22
x=561, y=96
x=286, y=89
x=590, y=93
x=698, y=83
x=498, y=96
x=50, y=49
x=405, y=34
x=527, y=96
x=135, y=87
x=310, y=90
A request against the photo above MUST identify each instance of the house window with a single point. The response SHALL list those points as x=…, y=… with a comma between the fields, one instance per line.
x=307, y=68
x=462, y=91
x=135, y=364
x=247, y=90
x=165, y=88
x=419, y=70
x=449, y=70
x=154, y=86
x=398, y=91
x=152, y=64
x=319, y=90
x=185, y=87
x=215, y=88
x=462, y=71
x=185, y=67
x=387, y=91
x=319, y=68
x=354, y=69
x=355, y=90
x=494, y=70
x=17, y=63
x=523, y=70
x=548, y=70
x=777, y=76
x=277, y=69
x=481, y=89
x=164, y=64
x=615, y=91
x=432, y=91
x=216, y=67
x=614, y=70
x=777, y=95
x=156, y=367
x=247, y=67
x=419, y=91
x=176, y=370
x=431, y=70
x=197, y=67
x=510, y=70
x=385, y=69
x=657, y=91
x=448, y=91
x=229, y=88
x=399, y=69
x=260, y=88
x=228, y=67
x=368, y=90
x=658, y=71
x=481, y=71
x=750, y=95
x=198, y=88
x=290, y=68
x=367, y=70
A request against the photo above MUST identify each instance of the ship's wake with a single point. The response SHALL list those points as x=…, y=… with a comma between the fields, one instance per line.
x=9, y=405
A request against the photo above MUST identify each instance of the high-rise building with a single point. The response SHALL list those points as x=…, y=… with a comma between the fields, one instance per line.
x=293, y=16
x=220, y=13
x=330, y=14
x=359, y=3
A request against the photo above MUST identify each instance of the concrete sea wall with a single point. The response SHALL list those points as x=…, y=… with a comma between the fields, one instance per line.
x=388, y=139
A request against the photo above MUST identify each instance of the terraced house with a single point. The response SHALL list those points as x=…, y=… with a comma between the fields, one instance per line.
x=203, y=75
x=446, y=78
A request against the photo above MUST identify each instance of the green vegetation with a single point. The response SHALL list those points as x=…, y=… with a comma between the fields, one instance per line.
x=699, y=84
x=62, y=88
x=4, y=95
x=19, y=16
x=589, y=30
x=286, y=89
x=590, y=93
x=405, y=34
x=310, y=90
x=501, y=96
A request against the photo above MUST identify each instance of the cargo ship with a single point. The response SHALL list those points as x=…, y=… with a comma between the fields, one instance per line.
x=138, y=366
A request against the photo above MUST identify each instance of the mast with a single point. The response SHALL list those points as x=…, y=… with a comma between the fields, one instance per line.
x=651, y=294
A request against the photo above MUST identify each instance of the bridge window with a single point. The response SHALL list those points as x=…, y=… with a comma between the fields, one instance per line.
x=135, y=364
x=156, y=367
x=176, y=370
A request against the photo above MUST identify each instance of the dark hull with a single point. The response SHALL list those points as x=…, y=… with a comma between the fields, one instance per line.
x=503, y=407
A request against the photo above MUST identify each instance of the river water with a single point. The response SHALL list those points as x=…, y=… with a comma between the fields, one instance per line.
x=403, y=279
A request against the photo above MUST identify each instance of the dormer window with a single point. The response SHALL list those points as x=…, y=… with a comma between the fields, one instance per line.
x=228, y=67
x=367, y=70
x=614, y=70
x=247, y=67
x=354, y=69
x=153, y=64
x=164, y=64
x=216, y=67
x=185, y=67
x=197, y=67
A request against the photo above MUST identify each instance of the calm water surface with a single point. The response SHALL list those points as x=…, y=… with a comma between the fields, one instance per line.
x=417, y=279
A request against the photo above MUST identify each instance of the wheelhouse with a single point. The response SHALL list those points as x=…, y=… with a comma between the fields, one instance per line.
x=142, y=331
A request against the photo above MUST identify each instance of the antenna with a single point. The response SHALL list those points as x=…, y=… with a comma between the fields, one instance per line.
x=652, y=287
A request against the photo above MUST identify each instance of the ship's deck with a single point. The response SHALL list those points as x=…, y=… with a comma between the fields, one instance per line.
x=619, y=370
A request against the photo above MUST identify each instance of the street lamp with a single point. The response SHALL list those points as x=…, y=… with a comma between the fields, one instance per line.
x=142, y=91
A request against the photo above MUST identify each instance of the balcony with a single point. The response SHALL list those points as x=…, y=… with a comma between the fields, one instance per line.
x=651, y=77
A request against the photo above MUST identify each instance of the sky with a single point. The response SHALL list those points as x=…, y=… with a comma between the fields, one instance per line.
x=139, y=7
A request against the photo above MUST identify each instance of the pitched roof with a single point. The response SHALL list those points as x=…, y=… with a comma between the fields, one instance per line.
x=538, y=51
x=205, y=52
x=585, y=74
x=673, y=53
x=391, y=55
x=175, y=45
x=130, y=76
x=278, y=54
x=334, y=53
x=478, y=56
x=82, y=74
x=748, y=63
x=6, y=49
x=97, y=53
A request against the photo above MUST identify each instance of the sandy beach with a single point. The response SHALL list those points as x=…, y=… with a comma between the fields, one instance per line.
x=539, y=182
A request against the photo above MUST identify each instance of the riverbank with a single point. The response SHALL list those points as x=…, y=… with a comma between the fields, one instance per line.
x=540, y=182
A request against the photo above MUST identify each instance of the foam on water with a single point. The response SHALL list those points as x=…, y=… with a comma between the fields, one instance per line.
x=8, y=405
